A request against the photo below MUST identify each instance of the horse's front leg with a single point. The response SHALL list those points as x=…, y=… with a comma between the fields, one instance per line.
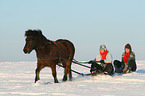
x=67, y=70
x=37, y=72
x=54, y=74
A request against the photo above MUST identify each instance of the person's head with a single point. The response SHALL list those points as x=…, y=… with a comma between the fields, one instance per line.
x=128, y=48
x=102, y=48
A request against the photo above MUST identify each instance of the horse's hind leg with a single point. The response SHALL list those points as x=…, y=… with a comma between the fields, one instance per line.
x=37, y=72
x=70, y=75
x=54, y=74
x=65, y=75
x=65, y=72
x=69, y=70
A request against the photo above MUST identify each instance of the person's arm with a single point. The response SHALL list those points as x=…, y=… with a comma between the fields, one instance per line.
x=108, y=58
x=131, y=57
x=123, y=55
x=98, y=58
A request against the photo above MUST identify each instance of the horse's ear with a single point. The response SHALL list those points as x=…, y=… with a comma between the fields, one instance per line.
x=28, y=32
x=39, y=32
x=33, y=33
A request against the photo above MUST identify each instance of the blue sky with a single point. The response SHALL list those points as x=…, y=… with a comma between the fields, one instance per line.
x=87, y=23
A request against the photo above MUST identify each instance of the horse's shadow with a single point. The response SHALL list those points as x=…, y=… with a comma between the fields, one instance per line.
x=140, y=71
x=46, y=83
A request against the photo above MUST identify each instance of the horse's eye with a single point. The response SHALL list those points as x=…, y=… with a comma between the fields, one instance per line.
x=32, y=38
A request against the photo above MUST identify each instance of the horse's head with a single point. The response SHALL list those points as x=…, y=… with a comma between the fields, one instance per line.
x=32, y=39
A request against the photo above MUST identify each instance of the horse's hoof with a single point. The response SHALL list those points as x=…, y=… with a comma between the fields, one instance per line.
x=70, y=79
x=56, y=82
x=36, y=79
x=64, y=79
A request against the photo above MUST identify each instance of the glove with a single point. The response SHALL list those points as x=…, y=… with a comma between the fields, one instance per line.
x=101, y=61
x=91, y=61
x=103, y=65
x=124, y=71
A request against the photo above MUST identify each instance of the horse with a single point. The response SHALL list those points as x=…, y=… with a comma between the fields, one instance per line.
x=50, y=53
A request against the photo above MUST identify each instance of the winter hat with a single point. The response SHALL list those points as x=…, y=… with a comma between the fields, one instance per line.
x=103, y=47
x=128, y=46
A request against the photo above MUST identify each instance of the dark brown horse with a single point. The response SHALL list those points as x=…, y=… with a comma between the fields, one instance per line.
x=50, y=53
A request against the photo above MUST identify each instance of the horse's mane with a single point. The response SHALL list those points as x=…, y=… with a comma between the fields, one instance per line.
x=35, y=33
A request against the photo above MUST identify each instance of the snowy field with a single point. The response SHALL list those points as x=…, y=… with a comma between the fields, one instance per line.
x=17, y=79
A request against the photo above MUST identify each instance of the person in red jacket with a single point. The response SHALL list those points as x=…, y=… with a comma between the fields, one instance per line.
x=128, y=61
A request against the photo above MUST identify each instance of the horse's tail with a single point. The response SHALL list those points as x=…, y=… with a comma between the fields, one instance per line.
x=72, y=51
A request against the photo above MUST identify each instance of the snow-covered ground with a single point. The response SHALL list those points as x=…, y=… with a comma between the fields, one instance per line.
x=17, y=78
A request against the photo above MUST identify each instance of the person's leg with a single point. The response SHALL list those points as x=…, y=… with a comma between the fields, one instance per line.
x=96, y=68
x=109, y=69
x=117, y=65
x=99, y=68
x=132, y=65
x=92, y=68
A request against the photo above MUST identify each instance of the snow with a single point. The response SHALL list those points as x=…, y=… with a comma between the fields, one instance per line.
x=17, y=79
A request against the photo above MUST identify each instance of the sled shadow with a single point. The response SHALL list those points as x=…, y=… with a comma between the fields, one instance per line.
x=140, y=71
x=46, y=83
x=42, y=83
x=117, y=74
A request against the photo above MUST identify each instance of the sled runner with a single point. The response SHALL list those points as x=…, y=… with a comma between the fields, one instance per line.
x=93, y=74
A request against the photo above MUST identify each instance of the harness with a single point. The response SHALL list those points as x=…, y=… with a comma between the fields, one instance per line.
x=49, y=57
x=55, y=57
